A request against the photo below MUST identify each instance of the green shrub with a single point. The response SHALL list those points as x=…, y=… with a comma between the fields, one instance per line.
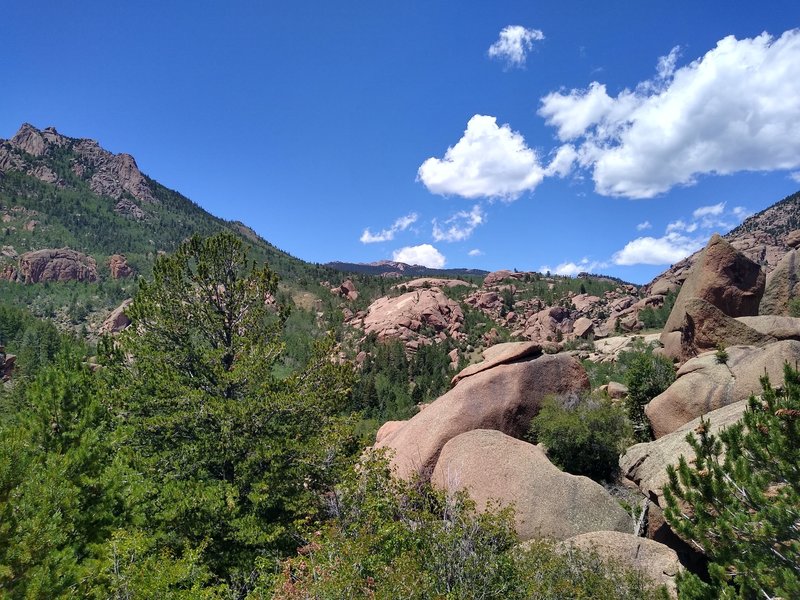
x=584, y=439
x=394, y=539
x=721, y=354
x=794, y=307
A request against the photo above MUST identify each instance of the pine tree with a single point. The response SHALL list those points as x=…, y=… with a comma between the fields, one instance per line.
x=739, y=500
x=237, y=458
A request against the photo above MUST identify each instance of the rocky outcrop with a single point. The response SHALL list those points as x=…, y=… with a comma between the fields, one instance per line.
x=548, y=503
x=552, y=324
x=616, y=390
x=704, y=384
x=428, y=282
x=793, y=239
x=497, y=277
x=119, y=267
x=56, y=265
x=783, y=285
x=117, y=321
x=37, y=143
x=657, y=561
x=113, y=175
x=646, y=464
x=608, y=349
x=583, y=327
x=505, y=397
x=705, y=327
x=346, y=290
x=724, y=278
x=763, y=238
x=388, y=429
x=7, y=363
x=412, y=316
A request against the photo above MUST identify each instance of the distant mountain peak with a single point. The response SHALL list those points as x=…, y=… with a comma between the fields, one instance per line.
x=116, y=176
x=391, y=268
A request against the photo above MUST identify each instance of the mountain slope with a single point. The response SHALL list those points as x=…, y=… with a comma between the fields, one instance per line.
x=59, y=191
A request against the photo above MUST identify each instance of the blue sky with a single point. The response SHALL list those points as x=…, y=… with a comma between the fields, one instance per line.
x=609, y=136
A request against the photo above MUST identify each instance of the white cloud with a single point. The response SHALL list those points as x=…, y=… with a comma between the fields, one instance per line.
x=386, y=235
x=574, y=268
x=424, y=254
x=460, y=226
x=562, y=162
x=514, y=44
x=488, y=161
x=681, y=225
x=705, y=211
x=475, y=252
x=681, y=237
x=737, y=108
x=644, y=225
x=740, y=213
x=795, y=176
x=665, y=250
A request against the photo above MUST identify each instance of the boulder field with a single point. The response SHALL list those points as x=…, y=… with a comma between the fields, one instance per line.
x=468, y=439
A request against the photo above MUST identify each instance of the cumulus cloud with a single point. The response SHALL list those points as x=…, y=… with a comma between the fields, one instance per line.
x=489, y=161
x=385, y=235
x=460, y=226
x=424, y=254
x=681, y=237
x=475, y=252
x=795, y=176
x=737, y=108
x=644, y=225
x=665, y=250
x=572, y=269
x=514, y=44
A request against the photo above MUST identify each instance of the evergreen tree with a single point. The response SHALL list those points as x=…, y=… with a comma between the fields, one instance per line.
x=237, y=458
x=739, y=499
x=59, y=499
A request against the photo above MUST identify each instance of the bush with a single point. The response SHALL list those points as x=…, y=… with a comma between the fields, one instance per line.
x=394, y=539
x=647, y=376
x=583, y=439
x=743, y=510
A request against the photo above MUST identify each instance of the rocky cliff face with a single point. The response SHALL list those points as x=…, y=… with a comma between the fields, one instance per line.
x=56, y=265
x=116, y=176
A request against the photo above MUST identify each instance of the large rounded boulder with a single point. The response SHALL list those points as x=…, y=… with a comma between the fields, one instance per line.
x=504, y=397
x=547, y=502
x=657, y=561
x=724, y=278
x=705, y=383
